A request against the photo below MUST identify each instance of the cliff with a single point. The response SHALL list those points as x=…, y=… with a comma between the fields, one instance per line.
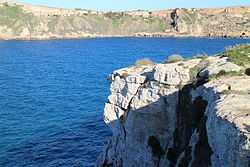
x=18, y=20
x=193, y=113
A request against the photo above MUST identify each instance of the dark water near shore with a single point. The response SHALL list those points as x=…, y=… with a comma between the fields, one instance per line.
x=52, y=93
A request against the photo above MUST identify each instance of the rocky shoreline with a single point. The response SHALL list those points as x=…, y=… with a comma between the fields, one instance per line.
x=24, y=21
x=117, y=36
x=193, y=112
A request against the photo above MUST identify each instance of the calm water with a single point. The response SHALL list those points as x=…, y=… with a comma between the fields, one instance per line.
x=52, y=93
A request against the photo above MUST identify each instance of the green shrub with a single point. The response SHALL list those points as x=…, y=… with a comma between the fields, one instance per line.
x=173, y=61
x=187, y=20
x=180, y=64
x=162, y=25
x=222, y=72
x=231, y=73
x=201, y=56
x=238, y=54
x=114, y=15
x=5, y=4
x=151, y=20
x=116, y=22
x=9, y=15
x=194, y=71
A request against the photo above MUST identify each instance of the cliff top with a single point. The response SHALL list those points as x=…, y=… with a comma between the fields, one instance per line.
x=183, y=112
x=234, y=61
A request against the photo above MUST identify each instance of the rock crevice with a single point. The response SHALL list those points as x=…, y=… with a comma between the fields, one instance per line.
x=163, y=119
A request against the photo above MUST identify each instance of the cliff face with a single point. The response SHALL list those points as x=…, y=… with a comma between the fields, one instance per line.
x=192, y=113
x=19, y=20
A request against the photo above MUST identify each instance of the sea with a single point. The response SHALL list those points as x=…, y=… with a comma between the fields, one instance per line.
x=52, y=93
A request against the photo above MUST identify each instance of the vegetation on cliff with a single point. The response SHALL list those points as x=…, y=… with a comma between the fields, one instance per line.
x=239, y=54
x=19, y=20
x=171, y=119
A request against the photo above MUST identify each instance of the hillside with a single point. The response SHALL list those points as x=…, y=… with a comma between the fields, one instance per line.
x=19, y=20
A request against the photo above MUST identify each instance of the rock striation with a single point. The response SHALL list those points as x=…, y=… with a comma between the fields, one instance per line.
x=23, y=21
x=162, y=117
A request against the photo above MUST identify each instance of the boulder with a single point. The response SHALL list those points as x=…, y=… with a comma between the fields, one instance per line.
x=173, y=58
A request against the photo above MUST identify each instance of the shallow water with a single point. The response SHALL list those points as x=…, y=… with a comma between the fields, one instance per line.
x=52, y=93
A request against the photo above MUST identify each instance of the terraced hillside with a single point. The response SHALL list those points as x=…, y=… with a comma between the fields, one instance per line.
x=25, y=21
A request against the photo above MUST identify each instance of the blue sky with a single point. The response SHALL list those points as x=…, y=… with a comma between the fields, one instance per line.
x=120, y=5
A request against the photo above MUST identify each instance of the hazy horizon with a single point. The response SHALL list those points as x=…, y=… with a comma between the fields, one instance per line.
x=111, y=5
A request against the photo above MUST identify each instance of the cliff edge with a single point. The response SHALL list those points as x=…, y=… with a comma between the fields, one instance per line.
x=23, y=21
x=193, y=113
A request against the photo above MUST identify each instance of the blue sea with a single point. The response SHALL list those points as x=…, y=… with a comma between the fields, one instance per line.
x=52, y=93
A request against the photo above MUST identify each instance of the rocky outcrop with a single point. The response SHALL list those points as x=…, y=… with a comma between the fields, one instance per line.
x=18, y=20
x=228, y=121
x=175, y=18
x=218, y=64
x=161, y=117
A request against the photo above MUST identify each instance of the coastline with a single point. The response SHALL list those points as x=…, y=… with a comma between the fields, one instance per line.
x=121, y=36
x=182, y=112
x=24, y=21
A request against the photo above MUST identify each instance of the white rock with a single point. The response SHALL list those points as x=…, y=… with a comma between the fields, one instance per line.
x=228, y=128
x=218, y=64
x=112, y=116
x=141, y=106
x=136, y=79
x=122, y=92
x=171, y=74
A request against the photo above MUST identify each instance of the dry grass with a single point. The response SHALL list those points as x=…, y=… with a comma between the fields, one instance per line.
x=144, y=62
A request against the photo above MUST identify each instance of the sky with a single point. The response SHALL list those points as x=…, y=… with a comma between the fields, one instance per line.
x=122, y=5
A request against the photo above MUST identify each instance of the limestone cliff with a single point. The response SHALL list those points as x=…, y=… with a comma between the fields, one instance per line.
x=193, y=113
x=18, y=20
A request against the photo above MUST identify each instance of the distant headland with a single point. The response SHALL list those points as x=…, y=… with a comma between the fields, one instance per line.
x=24, y=21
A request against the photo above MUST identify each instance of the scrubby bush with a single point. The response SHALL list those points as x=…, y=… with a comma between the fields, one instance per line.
x=201, y=56
x=230, y=73
x=173, y=58
x=143, y=62
x=222, y=72
x=114, y=15
x=180, y=64
x=5, y=4
x=194, y=71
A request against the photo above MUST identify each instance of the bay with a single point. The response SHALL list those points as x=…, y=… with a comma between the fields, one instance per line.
x=52, y=93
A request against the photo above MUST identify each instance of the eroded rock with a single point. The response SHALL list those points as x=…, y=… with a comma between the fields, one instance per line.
x=217, y=65
x=171, y=74
x=157, y=122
